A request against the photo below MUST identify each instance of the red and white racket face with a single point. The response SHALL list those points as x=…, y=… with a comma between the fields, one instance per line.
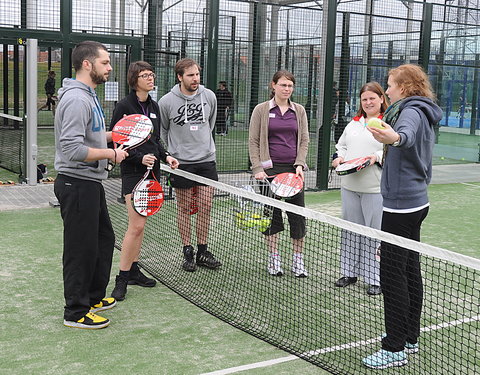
x=286, y=185
x=132, y=131
x=147, y=197
x=352, y=166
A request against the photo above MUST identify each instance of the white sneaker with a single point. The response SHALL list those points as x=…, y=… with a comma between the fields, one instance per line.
x=298, y=268
x=275, y=265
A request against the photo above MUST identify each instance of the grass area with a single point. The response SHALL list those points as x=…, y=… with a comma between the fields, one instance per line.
x=165, y=334
x=161, y=332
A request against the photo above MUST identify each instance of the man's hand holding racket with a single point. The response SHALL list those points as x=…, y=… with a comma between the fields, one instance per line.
x=119, y=155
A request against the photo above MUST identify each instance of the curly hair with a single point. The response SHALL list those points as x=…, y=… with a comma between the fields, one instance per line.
x=377, y=89
x=413, y=80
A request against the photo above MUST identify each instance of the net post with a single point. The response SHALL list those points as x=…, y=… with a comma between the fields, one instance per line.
x=31, y=111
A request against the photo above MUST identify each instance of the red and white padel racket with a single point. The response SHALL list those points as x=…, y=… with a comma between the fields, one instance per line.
x=147, y=196
x=194, y=203
x=286, y=185
x=131, y=131
x=352, y=166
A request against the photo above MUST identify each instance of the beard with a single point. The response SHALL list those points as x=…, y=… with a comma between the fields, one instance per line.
x=97, y=78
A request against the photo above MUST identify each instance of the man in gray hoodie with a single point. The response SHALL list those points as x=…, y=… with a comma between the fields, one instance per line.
x=81, y=156
x=187, y=117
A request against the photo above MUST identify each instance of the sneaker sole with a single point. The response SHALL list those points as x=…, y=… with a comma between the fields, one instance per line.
x=118, y=298
x=301, y=275
x=208, y=266
x=388, y=365
x=150, y=285
x=70, y=324
x=412, y=350
x=103, y=308
x=279, y=273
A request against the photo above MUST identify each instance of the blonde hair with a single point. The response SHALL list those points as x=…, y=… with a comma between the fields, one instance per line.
x=413, y=80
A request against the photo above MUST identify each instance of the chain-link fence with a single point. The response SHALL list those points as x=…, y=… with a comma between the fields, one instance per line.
x=331, y=53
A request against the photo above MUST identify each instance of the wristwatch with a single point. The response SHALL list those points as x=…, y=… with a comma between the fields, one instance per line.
x=397, y=142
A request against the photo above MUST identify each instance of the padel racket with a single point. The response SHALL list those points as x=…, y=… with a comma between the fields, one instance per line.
x=352, y=166
x=131, y=131
x=194, y=203
x=147, y=196
x=286, y=185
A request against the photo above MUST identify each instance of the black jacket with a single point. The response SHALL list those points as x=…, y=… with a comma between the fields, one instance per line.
x=129, y=106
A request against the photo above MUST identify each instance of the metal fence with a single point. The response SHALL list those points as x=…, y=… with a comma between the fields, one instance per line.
x=332, y=47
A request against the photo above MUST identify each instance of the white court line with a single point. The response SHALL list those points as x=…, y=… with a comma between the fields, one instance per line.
x=473, y=185
x=272, y=362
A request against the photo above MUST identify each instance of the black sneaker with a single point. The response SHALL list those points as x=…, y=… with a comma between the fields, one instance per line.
x=206, y=259
x=138, y=278
x=189, y=259
x=120, y=288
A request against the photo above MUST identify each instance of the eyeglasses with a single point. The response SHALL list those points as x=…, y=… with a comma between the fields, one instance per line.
x=285, y=86
x=147, y=75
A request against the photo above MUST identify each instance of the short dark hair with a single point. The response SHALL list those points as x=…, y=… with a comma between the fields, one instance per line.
x=133, y=71
x=184, y=64
x=86, y=50
x=224, y=83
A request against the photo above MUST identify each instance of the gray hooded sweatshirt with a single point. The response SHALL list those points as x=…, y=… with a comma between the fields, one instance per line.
x=79, y=125
x=407, y=169
x=187, y=122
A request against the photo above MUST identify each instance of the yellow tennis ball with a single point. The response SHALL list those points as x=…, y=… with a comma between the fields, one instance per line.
x=375, y=123
x=442, y=158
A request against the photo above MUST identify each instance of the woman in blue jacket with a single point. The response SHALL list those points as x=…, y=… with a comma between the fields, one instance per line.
x=407, y=170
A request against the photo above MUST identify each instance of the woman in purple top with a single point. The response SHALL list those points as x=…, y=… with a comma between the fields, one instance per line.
x=278, y=143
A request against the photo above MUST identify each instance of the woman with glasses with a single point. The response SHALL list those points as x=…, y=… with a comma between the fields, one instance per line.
x=140, y=78
x=278, y=143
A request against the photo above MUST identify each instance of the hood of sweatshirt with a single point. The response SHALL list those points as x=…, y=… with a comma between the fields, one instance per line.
x=190, y=98
x=423, y=104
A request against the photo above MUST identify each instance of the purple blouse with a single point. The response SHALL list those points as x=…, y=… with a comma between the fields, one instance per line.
x=282, y=135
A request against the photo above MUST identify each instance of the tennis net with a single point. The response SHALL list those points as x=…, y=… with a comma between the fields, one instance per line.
x=11, y=143
x=331, y=327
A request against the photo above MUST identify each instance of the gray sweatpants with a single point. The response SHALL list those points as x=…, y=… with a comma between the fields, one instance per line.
x=357, y=253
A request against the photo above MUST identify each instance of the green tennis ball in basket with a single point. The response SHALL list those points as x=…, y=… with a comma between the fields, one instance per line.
x=263, y=224
x=375, y=123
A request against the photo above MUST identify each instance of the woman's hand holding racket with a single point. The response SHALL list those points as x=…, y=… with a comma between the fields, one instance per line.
x=337, y=161
x=261, y=176
x=299, y=172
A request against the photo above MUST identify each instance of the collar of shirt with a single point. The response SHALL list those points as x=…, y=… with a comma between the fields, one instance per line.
x=272, y=104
